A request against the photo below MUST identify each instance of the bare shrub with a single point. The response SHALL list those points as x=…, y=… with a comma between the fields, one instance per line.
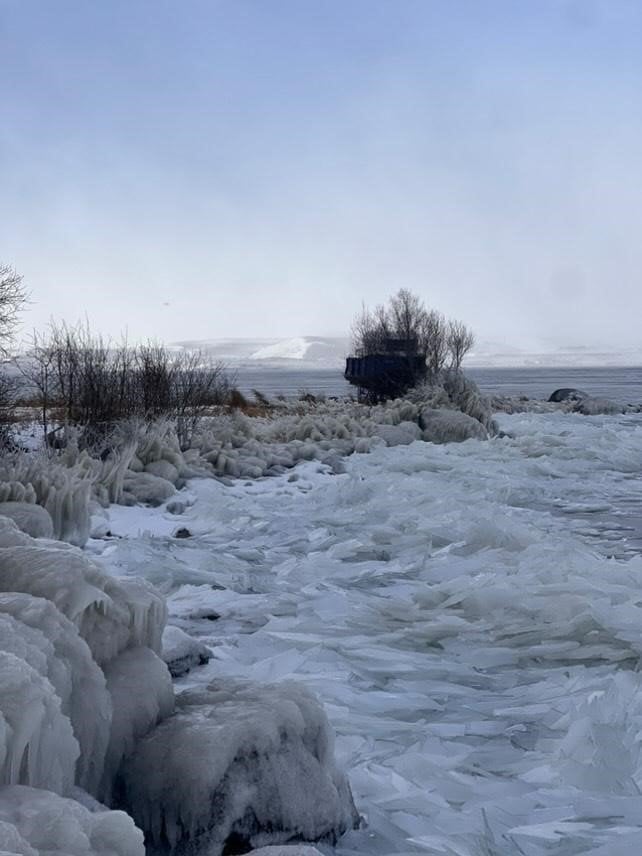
x=82, y=379
x=460, y=340
x=13, y=298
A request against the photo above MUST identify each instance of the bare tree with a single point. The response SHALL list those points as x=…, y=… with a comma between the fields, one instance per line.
x=198, y=384
x=434, y=343
x=38, y=371
x=407, y=314
x=369, y=330
x=13, y=298
x=405, y=342
x=460, y=340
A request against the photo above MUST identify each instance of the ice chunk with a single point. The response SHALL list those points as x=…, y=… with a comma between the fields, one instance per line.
x=238, y=762
x=182, y=652
x=39, y=823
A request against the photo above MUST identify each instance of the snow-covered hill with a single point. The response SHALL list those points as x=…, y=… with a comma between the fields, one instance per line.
x=320, y=351
x=330, y=352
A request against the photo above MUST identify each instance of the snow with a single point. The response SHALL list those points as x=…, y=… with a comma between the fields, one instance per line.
x=325, y=351
x=287, y=349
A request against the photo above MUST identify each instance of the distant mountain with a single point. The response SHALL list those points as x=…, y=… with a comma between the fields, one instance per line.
x=330, y=352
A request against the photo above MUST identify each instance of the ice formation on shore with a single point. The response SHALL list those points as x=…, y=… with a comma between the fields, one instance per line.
x=255, y=763
x=454, y=608
x=145, y=463
x=85, y=699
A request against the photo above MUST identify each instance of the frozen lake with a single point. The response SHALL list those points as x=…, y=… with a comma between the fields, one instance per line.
x=623, y=385
x=456, y=610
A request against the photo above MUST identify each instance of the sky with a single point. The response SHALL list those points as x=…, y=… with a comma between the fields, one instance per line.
x=261, y=168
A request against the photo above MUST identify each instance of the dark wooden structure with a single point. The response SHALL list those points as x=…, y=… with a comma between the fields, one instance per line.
x=388, y=372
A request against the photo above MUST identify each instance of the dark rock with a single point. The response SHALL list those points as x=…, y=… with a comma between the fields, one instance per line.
x=568, y=394
x=183, y=532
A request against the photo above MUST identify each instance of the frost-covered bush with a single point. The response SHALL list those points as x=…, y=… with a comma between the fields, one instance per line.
x=255, y=763
x=143, y=462
x=238, y=446
x=63, y=491
x=29, y=517
x=450, y=426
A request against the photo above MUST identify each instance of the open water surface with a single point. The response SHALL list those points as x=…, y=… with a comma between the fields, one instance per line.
x=623, y=385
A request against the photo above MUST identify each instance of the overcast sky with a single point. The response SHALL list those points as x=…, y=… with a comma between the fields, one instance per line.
x=260, y=167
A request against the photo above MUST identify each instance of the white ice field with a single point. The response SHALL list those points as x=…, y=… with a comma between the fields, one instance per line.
x=455, y=609
x=469, y=615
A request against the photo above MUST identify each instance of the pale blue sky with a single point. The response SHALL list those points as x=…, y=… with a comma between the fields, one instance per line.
x=201, y=169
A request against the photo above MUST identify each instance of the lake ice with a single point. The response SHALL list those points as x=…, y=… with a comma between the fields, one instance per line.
x=458, y=611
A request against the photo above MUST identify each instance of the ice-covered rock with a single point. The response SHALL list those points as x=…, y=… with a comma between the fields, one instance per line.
x=597, y=407
x=40, y=823
x=148, y=488
x=141, y=691
x=182, y=652
x=450, y=426
x=164, y=470
x=29, y=517
x=398, y=435
x=255, y=766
